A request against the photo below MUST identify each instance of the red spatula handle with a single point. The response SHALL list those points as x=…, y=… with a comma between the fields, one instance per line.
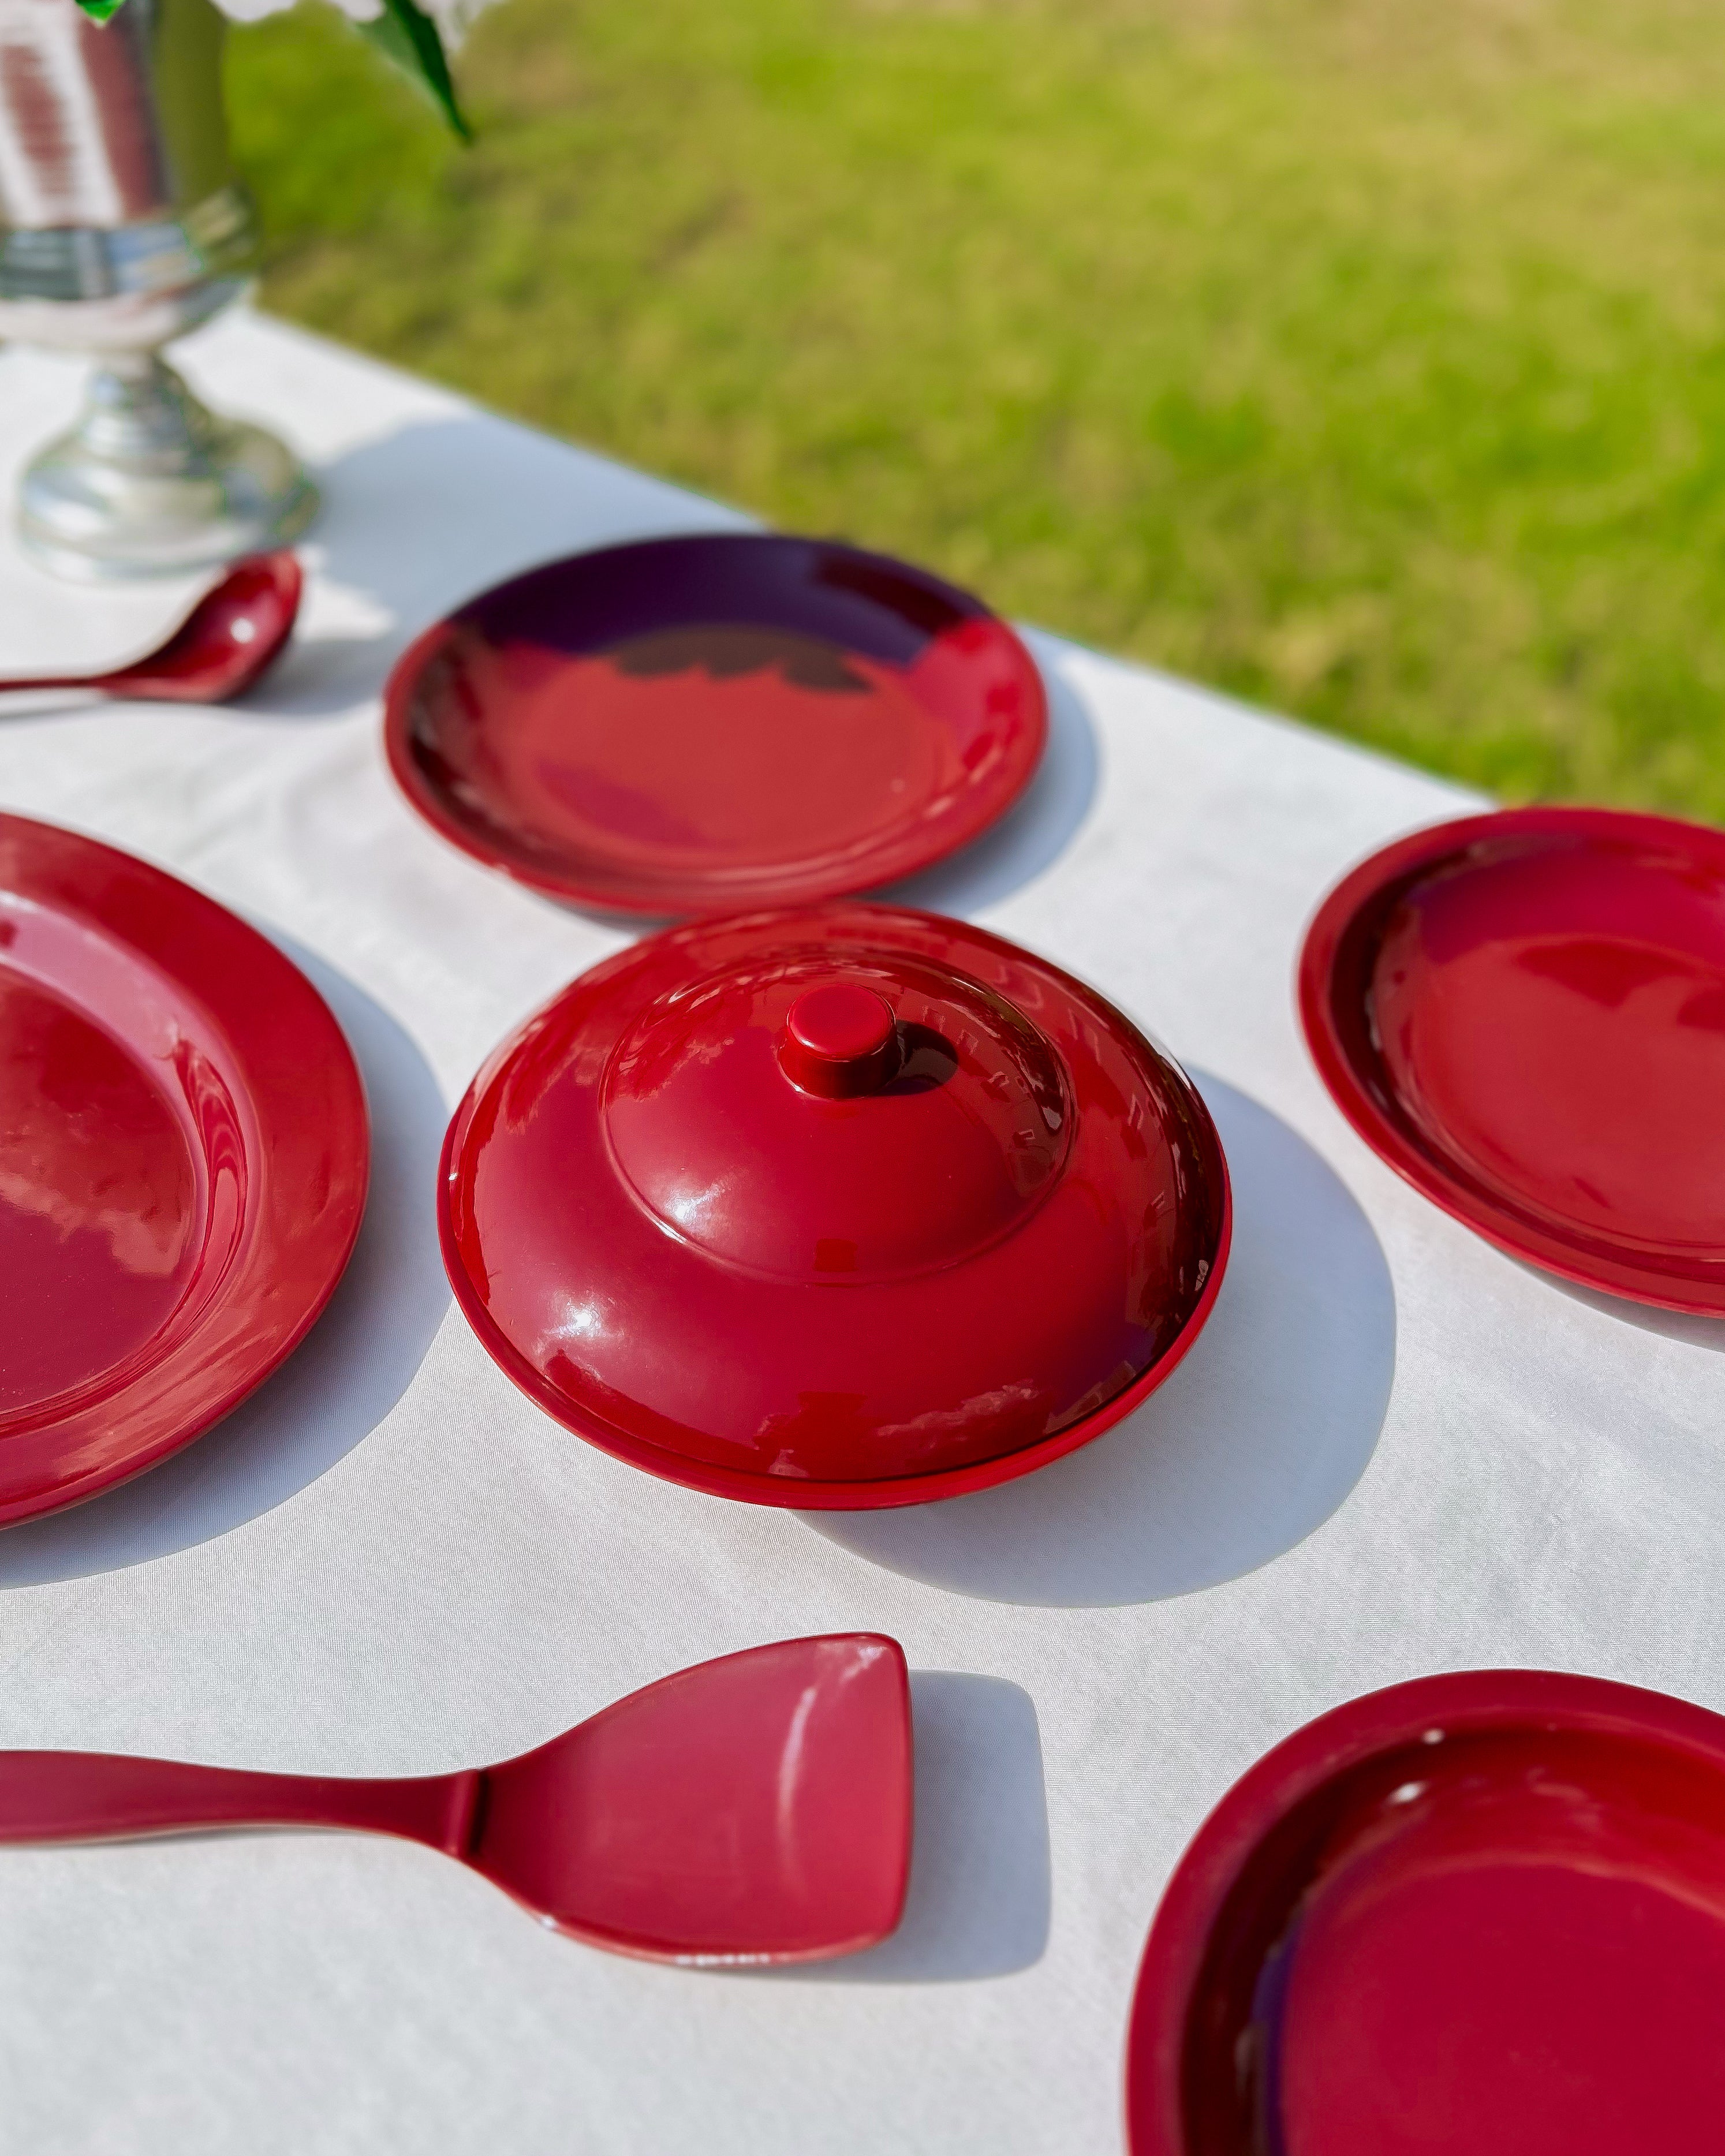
x=104, y=1796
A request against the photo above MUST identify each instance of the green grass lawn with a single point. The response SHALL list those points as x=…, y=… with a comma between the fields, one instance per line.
x=1362, y=356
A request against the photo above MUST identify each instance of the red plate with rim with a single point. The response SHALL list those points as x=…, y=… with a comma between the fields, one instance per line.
x=1476, y=1915
x=1524, y=1014
x=714, y=722
x=839, y=1208
x=183, y=1155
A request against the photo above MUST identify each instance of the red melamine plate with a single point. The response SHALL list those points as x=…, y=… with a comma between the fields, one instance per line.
x=183, y=1155
x=1478, y=1915
x=704, y=723
x=839, y=1208
x=1524, y=1014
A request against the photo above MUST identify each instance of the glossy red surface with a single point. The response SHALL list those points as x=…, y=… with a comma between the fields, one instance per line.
x=1524, y=1014
x=755, y=1809
x=839, y=1041
x=235, y=633
x=1477, y=1914
x=183, y=1157
x=970, y=1256
x=715, y=722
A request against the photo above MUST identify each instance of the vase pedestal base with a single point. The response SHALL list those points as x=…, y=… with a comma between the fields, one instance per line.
x=150, y=483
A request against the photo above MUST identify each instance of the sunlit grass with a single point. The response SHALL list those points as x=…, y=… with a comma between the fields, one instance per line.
x=1367, y=359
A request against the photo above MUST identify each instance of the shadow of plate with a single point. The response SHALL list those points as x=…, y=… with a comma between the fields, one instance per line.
x=1039, y=826
x=344, y=1377
x=1252, y=1444
x=1693, y=1331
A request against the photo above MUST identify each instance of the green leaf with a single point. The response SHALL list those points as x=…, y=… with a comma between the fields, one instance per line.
x=403, y=32
x=410, y=38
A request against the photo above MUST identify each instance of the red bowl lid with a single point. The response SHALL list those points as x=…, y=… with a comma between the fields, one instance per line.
x=839, y=1208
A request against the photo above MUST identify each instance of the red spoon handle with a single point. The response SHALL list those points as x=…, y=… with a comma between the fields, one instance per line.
x=104, y=1796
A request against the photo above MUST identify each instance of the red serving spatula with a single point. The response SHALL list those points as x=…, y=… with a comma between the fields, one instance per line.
x=754, y=1809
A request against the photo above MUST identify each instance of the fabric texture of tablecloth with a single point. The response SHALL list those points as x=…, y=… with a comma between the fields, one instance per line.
x=1394, y=1450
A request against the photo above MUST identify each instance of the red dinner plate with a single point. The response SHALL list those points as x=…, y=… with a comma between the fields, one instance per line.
x=838, y=1208
x=183, y=1157
x=1524, y=1014
x=720, y=721
x=1477, y=1914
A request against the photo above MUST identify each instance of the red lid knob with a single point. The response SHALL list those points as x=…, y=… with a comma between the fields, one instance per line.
x=840, y=1040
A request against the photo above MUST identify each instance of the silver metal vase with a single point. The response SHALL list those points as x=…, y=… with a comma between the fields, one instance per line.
x=121, y=226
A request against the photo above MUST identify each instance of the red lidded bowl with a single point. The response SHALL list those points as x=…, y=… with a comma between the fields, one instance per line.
x=841, y=1208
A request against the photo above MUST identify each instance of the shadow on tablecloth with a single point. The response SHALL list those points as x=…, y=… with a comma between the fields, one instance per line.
x=337, y=1386
x=1693, y=1331
x=1253, y=1442
x=980, y=1891
x=1039, y=826
x=419, y=520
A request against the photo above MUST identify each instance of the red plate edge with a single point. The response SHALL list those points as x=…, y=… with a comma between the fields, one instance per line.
x=238, y=1378
x=1466, y=1699
x=908, y=860
x=1401, y=862
x=795, y=1495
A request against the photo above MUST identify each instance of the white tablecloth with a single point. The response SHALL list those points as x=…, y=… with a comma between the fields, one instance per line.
x=1394, y=1450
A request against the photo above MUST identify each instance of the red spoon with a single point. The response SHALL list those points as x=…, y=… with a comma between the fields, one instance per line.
x=755, y=1809
x=229, y=640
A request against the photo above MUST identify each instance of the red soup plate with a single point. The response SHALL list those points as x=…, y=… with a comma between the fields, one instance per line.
x=183, y=1157
x=1478, y=1915
x=1524, y=1014
x=714, y=722
x=839, y=1208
